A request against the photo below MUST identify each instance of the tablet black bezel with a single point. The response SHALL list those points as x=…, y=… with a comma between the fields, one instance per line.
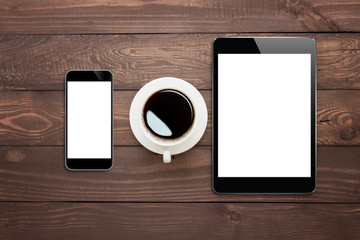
x=264, y=184
x=89, y=164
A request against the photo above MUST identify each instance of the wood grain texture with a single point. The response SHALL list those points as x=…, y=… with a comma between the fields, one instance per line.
x=37, y=118
x=39, y=62
x=159, y=16
x=178, y=221
x=38, y=174
x=338, y=117
x=141, y=197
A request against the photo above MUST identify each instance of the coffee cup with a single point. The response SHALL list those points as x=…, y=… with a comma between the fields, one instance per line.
x=168, y=116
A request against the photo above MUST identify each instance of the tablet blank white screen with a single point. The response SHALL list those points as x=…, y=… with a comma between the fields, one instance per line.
x=264, y=114
x=89, y=119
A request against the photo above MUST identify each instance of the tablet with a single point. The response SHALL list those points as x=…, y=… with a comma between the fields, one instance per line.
x=264, y=103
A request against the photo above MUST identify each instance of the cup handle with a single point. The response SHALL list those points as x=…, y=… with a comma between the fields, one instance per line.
x=167, y=156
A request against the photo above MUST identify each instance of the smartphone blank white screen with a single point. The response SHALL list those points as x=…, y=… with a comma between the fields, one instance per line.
x=264, y=115
x=89, y=119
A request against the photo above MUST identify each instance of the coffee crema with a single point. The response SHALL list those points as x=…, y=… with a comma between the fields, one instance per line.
x=168, y=114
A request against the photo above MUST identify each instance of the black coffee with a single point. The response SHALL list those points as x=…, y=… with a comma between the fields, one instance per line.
x=168, y=114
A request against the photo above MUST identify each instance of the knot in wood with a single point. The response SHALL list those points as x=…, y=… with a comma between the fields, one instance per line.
x=348, y=133
x=235, y=216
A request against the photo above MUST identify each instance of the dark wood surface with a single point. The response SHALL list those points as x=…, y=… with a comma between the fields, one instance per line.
x=29, y=173
x=141, y=197
x=39, y=62
x=179, y=221
x=136, y=16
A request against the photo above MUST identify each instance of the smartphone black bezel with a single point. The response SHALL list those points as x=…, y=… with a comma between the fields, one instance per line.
x=89, y=164
x=264, y=184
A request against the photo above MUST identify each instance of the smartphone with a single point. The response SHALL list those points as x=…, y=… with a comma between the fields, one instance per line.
x=89, y=120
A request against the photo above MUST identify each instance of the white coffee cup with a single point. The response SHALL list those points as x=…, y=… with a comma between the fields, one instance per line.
x=154, y=143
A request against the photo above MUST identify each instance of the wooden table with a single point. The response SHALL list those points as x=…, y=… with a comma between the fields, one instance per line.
x=142, y=198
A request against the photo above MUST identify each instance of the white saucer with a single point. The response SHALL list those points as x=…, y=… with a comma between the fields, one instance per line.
x=181, y=144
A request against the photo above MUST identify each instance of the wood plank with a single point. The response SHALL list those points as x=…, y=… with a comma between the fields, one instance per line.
x=37, y=118
x=38, y=174
x=38, y=62
x=338, y=117
x=85, y=16
x=179, y=221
